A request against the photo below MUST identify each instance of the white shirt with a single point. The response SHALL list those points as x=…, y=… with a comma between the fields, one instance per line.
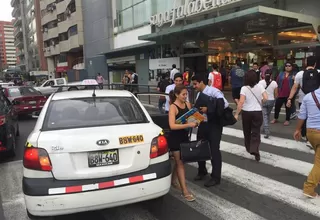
x=298, y=80
x=170, y=88
x=214, y=93
x=173, y=72
x=253, y=99
x=270, y=90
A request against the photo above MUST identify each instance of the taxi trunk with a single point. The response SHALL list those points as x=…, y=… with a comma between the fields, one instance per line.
x=98, y=152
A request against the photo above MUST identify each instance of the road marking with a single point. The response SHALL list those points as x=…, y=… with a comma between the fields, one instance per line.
x=296, y=166
x=275, y=141
x=214, y=206
x=268, y=187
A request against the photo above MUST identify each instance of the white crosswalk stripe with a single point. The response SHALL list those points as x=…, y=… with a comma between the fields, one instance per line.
x=209, y=204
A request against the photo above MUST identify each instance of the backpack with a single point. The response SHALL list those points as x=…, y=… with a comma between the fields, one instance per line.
x=310, y=81
x=217, y=80
x=186, y=78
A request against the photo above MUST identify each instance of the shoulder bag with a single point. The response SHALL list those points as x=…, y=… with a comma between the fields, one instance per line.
x=315, y=99
x=260, y=103
x=195, y=151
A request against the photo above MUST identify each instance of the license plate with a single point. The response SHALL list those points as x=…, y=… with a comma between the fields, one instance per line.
x=32, y=102
x=103, y=158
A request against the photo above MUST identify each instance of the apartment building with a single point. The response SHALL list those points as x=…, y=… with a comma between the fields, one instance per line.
x=27, y=35
x=62, y=28
x=7, y=49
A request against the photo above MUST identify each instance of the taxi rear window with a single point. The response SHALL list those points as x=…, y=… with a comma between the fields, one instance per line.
x=92, y=112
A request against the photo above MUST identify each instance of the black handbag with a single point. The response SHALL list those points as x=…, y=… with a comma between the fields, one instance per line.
x=195, y=151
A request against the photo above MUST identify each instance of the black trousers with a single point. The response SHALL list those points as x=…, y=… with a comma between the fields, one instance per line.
x=279, y=102
x=304, y=126
x=212, y=133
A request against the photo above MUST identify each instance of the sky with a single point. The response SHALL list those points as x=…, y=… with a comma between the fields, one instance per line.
x=5, y=10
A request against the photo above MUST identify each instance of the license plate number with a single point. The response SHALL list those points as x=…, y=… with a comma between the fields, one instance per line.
x=103, y=158
x=32, y=102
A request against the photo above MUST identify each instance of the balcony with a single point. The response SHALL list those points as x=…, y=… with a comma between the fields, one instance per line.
x=18, y=43
x=62, y=6
x=72, y=43
x=45, y=3
x=17, y=22
x=52, y=51
x=50, y=16
x=50, y=33
x=75, y=18
x=14, y=2
x=17, y=32
x=16, y=12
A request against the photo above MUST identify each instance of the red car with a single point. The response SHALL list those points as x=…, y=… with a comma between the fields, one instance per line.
x=25, y=99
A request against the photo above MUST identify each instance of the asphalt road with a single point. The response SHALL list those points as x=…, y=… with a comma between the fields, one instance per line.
x=249, y=190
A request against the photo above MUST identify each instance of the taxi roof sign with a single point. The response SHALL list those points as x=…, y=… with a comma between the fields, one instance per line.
x=89, y=82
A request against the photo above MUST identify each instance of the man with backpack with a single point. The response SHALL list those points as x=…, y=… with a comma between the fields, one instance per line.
x=307, y=81
x=215, y=78
x=162, y=85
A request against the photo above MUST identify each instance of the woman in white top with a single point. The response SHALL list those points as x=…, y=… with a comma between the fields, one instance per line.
x=251, y=97
x=271, y=88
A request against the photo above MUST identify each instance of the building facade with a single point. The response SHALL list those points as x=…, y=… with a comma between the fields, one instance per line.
x=7, y=49
x=148, y=36
x=62, y=28
x=28, y=40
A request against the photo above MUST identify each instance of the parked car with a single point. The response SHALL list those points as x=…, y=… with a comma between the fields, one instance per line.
x=25, y=99
x=50, y=86
x=93, y=149
x=9, y=127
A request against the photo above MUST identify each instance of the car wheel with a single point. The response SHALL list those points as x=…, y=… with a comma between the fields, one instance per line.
x=32, y=217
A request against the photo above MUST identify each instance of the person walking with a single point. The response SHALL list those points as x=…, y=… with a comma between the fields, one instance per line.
x=304, y=82
x=236, y=79
x=310, y=109
x=252, y=96
x=100, y=80
x=179, y=133
x=173, y=72
x=285, y=82
x=271, y=88
x=162, y=85
x=210, y=130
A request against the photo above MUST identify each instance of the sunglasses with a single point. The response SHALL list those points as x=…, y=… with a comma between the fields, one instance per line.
x=288, y=66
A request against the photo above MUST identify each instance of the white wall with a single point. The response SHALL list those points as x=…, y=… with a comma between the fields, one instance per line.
x=130, y=38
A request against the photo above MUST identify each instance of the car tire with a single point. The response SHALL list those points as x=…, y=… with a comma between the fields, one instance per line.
x=32, y=217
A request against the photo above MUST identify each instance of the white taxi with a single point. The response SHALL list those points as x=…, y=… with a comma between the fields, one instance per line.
x=93, y=150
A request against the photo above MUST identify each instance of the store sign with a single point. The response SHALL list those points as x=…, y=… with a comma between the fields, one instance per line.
x=164, y=63
x=190, y=8
x=61, y=69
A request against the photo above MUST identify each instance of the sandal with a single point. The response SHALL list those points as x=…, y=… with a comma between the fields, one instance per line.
x=189, y=198
x=286, y=123
x=311, y=196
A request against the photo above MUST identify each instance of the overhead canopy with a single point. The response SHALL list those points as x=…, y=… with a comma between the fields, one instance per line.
x=252, y=20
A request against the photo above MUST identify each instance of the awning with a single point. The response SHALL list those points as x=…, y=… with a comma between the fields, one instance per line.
x=252, y=20
x=124, y=51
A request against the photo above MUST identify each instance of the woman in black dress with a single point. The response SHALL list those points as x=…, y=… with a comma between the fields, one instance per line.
x=179, y=134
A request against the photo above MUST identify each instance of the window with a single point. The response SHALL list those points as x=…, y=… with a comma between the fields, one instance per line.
x=63, y=36
x=72, y=6
x=62, y=58
x=14, y=92
x=62, y=17
x=127, y=18
x=49, y=83
x=92, y=112
x=73, y=30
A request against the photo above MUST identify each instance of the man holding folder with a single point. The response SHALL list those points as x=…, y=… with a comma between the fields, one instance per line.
x=211, y=103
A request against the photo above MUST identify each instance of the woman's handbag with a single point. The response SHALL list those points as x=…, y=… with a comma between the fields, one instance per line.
x=195, y=151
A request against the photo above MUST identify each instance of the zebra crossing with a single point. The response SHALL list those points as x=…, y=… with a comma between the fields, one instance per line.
x=270, y=189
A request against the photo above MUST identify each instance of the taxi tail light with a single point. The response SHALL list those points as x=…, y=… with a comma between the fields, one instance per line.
x=2, y=120
x=159, y=146
x=36, y=159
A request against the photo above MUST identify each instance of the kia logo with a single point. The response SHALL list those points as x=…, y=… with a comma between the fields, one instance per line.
x=102, y=142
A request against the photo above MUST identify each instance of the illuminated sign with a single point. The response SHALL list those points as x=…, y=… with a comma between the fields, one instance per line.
x=190, y=8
